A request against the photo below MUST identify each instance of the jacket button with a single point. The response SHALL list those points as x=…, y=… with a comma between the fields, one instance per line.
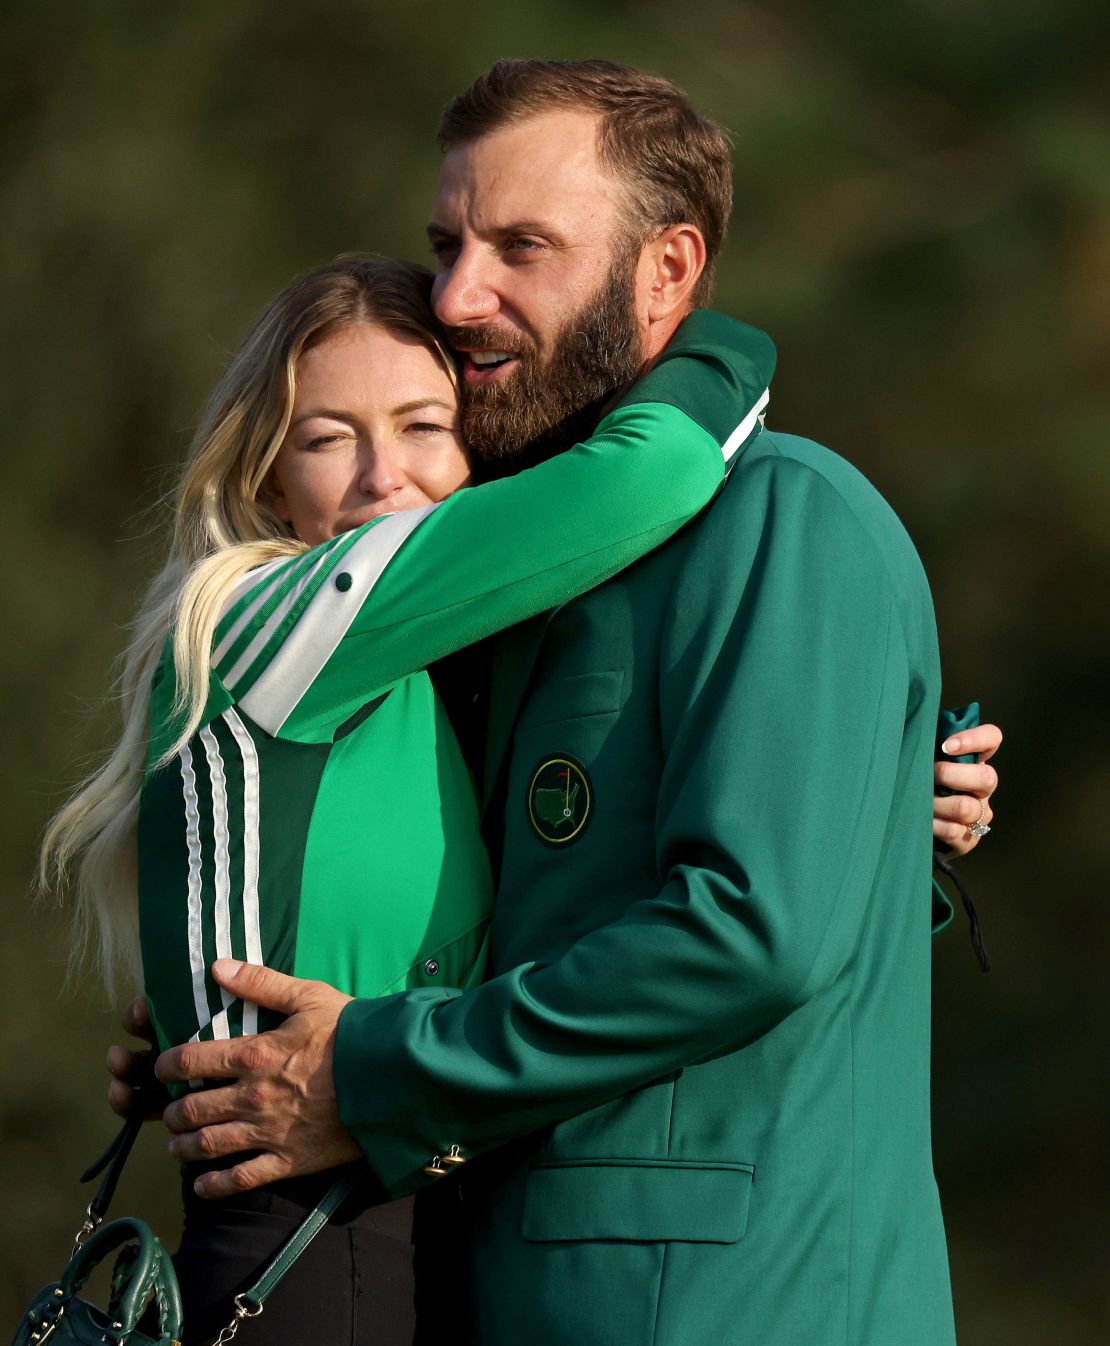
x=453, y=1157
x=431, y=967
x=435, y=1169
x=343, y=582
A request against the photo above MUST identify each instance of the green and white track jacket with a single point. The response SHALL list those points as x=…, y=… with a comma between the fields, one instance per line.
x=322, y=820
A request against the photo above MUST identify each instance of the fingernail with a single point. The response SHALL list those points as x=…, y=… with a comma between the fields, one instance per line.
x=198, y=1187
x=226, y=967
x=950, y=745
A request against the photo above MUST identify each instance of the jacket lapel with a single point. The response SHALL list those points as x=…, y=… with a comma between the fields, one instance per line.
x=513, y=660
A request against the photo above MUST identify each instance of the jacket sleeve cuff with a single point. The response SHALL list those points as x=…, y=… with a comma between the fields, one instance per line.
x=396, y=1133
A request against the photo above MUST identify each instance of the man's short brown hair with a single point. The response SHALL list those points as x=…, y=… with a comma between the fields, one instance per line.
x=676, y=164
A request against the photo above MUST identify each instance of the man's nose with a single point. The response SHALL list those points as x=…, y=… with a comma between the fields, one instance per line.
x=380, y=472
x=464, y=292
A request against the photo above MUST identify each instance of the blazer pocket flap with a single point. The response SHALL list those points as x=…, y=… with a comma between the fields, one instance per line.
x=646, y=1201
x=571, y=698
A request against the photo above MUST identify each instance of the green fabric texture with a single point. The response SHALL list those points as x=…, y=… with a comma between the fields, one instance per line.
x=692, y=1202
x=734, y=366
x=322, y=819
x=729, y=967
x=382, y=783
x=450, y=592
x=278, y=587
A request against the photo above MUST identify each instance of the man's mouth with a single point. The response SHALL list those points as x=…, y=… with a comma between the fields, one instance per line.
x=487, y=366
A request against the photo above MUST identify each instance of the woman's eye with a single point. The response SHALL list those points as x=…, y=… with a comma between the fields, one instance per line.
x=429, y=428
x=322, y=441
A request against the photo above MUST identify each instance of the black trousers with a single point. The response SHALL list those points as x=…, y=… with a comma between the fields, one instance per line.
x=352, y=1287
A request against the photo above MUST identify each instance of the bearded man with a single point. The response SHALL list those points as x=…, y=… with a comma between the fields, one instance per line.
x=690, y=1103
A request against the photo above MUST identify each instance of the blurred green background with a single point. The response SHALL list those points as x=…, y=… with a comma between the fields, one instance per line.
x=922, y=222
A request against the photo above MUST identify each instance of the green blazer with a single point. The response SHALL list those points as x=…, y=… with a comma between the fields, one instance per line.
x=692, y=1099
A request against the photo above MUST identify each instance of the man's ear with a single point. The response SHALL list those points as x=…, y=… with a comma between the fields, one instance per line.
x=670, y=267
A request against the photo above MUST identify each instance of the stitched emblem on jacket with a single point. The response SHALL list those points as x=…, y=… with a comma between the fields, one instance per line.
x=560, y=800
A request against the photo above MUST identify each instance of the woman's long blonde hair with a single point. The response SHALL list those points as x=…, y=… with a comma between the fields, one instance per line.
x=222, y=527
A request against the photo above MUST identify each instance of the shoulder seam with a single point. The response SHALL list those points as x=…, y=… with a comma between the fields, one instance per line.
x=833, y=489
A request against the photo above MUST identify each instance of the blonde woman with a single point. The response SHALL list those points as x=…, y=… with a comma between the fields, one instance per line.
x=288, y=789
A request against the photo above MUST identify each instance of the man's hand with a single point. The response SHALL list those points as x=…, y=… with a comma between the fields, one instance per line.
x=133, y=1085
x=282, y=1099
x=954, y=814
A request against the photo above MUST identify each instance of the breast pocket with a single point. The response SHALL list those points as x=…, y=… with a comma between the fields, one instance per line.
x=577, y=697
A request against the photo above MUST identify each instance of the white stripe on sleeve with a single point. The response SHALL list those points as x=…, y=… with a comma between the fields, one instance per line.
x=194, y=922
x=747, y=425
x=222, y=859
x=325, y=621
x=260, y=580
x=252, y=927
x=264, y=633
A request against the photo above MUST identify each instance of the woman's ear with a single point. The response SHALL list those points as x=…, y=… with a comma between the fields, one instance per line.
x=271, y=495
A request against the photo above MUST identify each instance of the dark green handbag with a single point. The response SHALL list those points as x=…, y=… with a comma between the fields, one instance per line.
x=143, y=1270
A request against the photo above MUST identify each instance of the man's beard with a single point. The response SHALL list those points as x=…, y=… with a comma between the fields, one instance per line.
x=540, y=407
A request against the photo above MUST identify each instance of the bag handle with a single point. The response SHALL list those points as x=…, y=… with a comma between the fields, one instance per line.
x=111, y=1163
x=113, y=1159
x=164, y=1287
x=151, y=1270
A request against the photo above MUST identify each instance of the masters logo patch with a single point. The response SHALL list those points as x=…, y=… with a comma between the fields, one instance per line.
x=560, y=800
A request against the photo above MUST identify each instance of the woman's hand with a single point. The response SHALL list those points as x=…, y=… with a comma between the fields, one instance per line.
x=133, y=1084
x=974, y=783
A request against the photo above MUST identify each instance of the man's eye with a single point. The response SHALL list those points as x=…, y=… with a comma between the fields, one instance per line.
x=445, y=252
x=524, y=245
